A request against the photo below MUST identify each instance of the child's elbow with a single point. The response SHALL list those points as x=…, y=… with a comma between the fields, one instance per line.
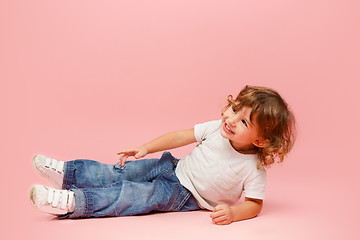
x=257, y=205
x=258, y=211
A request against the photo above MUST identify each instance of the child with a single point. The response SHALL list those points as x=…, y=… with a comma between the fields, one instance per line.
x=256, y=128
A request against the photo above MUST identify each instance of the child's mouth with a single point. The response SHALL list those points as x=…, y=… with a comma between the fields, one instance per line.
x=227, y=129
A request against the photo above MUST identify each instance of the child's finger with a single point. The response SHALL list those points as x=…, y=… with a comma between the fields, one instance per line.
x=124, y=152
x=220, y=219
x=122, y=159
x=121, y=156
x=139, y=155
x=225, y=222
x=218, y=208
x=216, y=214
x=128, y=152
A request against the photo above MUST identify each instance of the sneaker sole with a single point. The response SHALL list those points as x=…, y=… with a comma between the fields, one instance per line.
x=53, y=211
x=55, y=184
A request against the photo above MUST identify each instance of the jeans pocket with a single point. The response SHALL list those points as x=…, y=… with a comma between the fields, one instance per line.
x=118, y=167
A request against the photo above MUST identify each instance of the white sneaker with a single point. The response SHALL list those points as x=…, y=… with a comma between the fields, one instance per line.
x=53, y=201
x=50, y=168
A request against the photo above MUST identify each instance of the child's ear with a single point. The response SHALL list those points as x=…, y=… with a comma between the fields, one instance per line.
x=261, y=142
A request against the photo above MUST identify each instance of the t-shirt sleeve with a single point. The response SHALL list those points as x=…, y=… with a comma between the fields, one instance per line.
x=203, y=130
x=256, y=187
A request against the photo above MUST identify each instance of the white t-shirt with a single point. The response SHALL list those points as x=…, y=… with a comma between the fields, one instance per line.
x=214, y=172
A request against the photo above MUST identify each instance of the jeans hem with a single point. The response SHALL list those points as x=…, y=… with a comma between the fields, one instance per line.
x=69, y=178
x=83, y=204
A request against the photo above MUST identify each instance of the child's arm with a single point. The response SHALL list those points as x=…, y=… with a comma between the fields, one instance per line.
x=167, y=141
x=224, y=214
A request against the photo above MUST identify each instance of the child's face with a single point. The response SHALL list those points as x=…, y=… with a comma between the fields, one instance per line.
x=236, y=127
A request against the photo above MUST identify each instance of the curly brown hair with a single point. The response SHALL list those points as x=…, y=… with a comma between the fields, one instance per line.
x=275, y=121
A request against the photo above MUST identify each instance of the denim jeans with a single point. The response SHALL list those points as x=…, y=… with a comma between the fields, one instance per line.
x=141, y=187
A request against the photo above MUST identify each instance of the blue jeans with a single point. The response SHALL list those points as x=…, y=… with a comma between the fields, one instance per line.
x=141, y=187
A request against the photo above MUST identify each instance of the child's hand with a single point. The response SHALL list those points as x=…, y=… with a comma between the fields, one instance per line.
x=137, y=152
x=222, y=214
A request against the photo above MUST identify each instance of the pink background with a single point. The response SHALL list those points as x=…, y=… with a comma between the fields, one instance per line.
x=85, y=79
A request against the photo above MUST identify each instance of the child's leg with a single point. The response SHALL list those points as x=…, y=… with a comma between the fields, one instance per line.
x=158, y=189
x=93, y=174
x=125, y=198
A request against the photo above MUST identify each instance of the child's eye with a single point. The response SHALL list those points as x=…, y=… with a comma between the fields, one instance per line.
x=244, y=122
x=234, y=110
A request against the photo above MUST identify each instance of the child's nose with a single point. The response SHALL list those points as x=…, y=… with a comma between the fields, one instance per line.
x=232, y=121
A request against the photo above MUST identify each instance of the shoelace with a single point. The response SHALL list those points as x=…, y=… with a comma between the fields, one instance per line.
x=64, y=197
x=55, y=165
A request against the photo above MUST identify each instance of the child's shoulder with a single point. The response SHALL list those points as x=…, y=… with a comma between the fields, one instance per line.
x=209, y=126
x=203, y=130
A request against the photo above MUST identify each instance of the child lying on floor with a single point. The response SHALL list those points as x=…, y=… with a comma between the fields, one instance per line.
x=255, y=129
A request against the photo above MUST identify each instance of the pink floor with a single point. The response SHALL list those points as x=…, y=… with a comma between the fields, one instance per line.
x=301, y=206
x=85, y=79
